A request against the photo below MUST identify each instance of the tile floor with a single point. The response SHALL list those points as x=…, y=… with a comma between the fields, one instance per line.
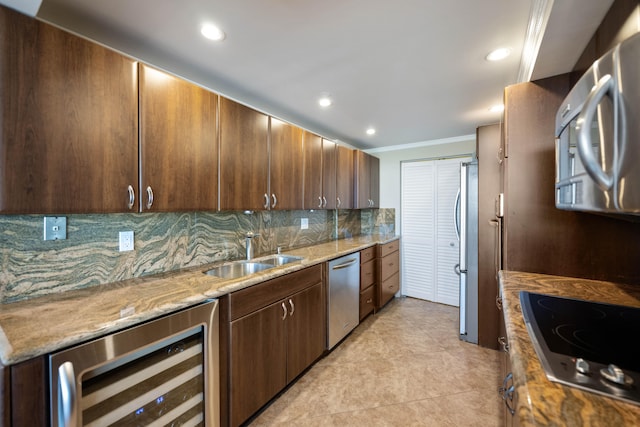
x=404, y=366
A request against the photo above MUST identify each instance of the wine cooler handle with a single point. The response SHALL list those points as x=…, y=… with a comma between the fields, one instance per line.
x=66, y=395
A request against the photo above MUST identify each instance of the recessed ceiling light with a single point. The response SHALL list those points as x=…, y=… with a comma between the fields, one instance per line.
x=498, y=54
x=371, y=131
x=325, y=102
x=498, y=108
x=212, y=32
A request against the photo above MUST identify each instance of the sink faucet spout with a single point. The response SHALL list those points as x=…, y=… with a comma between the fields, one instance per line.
x=248, y=244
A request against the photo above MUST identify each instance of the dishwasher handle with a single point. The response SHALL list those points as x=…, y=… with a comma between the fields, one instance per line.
x=66, y=395
x=345, y=264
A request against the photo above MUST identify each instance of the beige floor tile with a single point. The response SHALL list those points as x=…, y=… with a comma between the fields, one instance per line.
x=404, y=366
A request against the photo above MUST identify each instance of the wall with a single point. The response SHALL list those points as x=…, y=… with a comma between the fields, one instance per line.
x=30, y=266
x=390, y=165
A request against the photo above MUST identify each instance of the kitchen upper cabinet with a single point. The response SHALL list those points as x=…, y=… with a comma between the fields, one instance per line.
x=312, y=145
x=328, y=174
x=178, y=146
x=344, y=177
x=367, y=184
x=320, y=156
x=286, y=166
x=69, y=127
x=244, y=157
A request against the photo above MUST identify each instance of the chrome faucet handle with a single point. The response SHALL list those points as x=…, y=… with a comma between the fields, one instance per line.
x=251, y=235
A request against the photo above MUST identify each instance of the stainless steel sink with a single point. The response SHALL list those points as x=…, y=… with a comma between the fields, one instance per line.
x=238, y=269
x=278, y=260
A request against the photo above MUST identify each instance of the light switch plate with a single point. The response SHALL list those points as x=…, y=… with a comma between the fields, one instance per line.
x=126, y=241
x=55, y=227
x=304, y=223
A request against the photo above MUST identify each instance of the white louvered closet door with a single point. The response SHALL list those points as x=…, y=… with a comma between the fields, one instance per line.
x=430, y=245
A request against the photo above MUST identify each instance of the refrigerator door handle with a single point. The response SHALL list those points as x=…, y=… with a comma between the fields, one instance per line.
x=456, y=217
x=456, y=269
x=463, y=204
x=497, y=246
x=463, y=304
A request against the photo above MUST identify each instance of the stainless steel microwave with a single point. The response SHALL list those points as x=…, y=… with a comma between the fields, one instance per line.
x=598, y=136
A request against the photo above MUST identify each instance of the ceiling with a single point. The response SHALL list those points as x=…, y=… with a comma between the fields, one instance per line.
x=413, y=69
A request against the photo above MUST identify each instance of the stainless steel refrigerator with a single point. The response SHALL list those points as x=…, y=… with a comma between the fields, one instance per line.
x=466, y=221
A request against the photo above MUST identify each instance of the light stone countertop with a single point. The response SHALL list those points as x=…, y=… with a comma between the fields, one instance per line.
x=541, y=402
x=46, y=324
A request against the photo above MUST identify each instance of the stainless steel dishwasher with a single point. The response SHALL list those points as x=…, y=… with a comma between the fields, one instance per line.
x=344, y=297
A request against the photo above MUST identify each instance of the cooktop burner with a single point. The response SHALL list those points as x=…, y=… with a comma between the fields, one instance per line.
x=586, y=344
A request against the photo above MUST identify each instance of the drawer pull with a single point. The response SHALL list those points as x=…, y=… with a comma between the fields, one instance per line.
x=369, y=301
x=507, y=392
x=284, y=311
x=503, y=342
x=293, y=307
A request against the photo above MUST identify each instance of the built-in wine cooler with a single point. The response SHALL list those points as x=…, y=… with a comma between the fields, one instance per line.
x=161, y=373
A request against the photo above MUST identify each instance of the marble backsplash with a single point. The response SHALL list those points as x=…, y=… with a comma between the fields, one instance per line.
x=89, y=256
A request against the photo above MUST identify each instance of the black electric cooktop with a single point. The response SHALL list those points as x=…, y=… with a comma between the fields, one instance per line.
x=589, y=345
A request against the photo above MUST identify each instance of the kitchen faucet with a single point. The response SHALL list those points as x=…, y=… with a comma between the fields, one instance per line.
x=248, y=246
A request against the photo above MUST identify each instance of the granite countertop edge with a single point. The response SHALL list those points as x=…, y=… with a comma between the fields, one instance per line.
x=42, y=325
x=538, y=400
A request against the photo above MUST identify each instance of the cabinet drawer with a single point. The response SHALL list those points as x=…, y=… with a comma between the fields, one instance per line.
x=367, y=254
x=389, y=265
x=367, y=301
x=367, y=274
x=253, y=298
x=388, y=288
x=387, y=248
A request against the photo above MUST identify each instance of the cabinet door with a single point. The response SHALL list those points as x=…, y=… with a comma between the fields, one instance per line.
x=178, y=145
x=305, y=330
x=69, y=108
x=312, y=171
x=367, y=184
x=328, y=174
x=286, y=166
x=244, y=157
x=258, y=360
x=344, y=177
x=362, y=179
x=374, y=181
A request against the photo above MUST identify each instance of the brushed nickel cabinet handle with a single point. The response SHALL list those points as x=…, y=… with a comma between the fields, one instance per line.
x=319, y=200
x=149, y=197
x=293, y=307
x=266, y=201
x=369, y=301
x=338, y=202
x=284, y=311
x=503, y=342
x=275, y=201
x=132, y=197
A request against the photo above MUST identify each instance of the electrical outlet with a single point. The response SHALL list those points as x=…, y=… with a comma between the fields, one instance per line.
x=304, y=223
x=55, y=227
x=126, y=241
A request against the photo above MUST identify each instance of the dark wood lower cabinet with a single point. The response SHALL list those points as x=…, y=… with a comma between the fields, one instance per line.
x=23, y=394
x=258, y=361
x=388, y=271
x=274, y=331
x=305, y=330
